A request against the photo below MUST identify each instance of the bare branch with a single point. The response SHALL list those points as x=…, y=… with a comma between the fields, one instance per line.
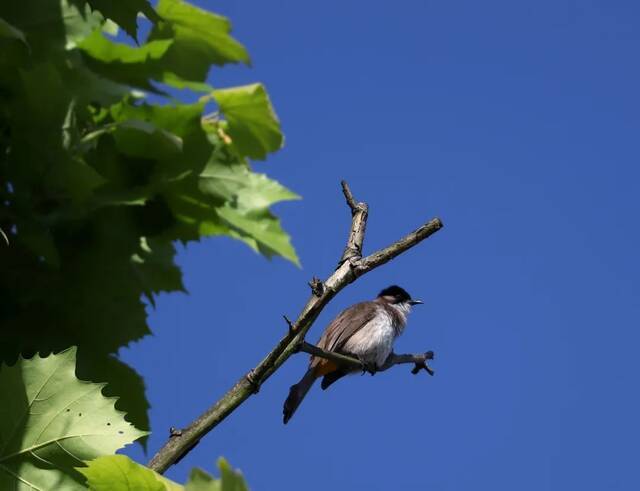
x=343, y=360
x=388, y=253
x=349, y=196
x=359, y=215
x=420, y=360
x=351, y=266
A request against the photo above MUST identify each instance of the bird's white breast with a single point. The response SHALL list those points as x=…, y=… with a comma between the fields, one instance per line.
x=373, y=343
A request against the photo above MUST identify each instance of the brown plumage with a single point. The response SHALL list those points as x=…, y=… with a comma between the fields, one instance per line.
x=383, y=319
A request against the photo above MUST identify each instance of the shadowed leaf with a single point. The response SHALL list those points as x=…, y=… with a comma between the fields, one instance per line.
x=7, y=31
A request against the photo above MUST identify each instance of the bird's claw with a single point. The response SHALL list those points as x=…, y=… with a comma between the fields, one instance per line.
x=422, y=365
x=370, y=368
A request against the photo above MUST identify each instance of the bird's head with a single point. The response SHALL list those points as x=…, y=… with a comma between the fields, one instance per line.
x=394, y=295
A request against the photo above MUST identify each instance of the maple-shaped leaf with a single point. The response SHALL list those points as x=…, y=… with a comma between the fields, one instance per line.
x=52, y=423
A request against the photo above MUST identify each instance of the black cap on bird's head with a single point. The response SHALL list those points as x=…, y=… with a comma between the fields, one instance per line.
x=395, y=294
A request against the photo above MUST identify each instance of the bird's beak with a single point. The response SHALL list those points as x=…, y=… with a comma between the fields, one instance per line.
x=415, y=302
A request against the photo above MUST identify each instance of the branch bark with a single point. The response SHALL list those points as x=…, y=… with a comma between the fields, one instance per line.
x=343, y=360
x=359, y=214
x=351, y=266
x=419, y=360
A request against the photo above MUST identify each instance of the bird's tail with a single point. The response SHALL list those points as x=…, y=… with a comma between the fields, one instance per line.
x=297, y=393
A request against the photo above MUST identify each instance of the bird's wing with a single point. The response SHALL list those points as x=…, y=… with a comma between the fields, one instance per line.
x=348, y=322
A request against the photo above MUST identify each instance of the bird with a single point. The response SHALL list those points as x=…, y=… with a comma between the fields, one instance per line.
x=366, y=331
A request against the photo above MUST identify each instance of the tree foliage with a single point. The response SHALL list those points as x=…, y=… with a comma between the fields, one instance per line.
x=98, y=180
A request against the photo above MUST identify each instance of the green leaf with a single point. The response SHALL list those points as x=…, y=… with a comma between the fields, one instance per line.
x=173, y=80
x=177, y=118
x=37, y=237
x=262, y=231
x=199, y=480
x=135, y=65
x=91, y=88
x=9, y=32
x=249, y=190
x=201, y=39
x=123, y=382
x=195, y=216
x=156, y=269
x=99, y=47
x=120, y=473
x=143, y=139
x=125, y=12
x=130, y=65
x=232, y=480
x=247, y=196
x=53, y=422
x=76, y=178
x=78, y=20
x=253, y=124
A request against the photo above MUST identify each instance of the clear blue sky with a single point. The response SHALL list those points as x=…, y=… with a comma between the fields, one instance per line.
x=518, y=124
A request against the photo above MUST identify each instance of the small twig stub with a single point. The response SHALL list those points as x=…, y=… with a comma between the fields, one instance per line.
x=349, y=196
x=317, y=287
x=292, y=327
x=252, y=379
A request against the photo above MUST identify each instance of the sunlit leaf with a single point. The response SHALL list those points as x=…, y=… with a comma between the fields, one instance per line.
x=253, y=125
x=201, y=38
x=120, y=473
x=53, y=422
x=264, y=231
x=123, y=382
x=199, y=480
x=179, y=83
x=249, y=190
x=106, y=50
x=232, y=480
x=125, y=13
x=247, y=196
x=79, y=21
